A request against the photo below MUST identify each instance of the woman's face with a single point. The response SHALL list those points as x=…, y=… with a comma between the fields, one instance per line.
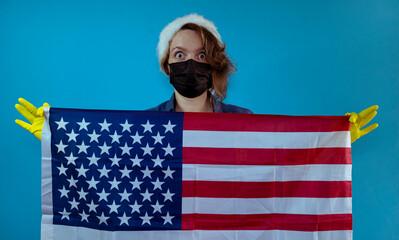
x=185, y=45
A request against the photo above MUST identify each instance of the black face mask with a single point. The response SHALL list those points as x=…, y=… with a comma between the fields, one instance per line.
x=190, y=78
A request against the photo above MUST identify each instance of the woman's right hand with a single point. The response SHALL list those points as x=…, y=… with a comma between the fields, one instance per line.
x=35, y=117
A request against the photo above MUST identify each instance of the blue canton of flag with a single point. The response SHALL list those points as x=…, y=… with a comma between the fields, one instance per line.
x=119, y=172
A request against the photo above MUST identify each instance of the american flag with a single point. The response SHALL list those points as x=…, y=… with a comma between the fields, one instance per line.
x=148, y=175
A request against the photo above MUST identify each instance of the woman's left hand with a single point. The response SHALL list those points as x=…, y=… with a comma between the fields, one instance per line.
x=360, y=120
x=34, y=115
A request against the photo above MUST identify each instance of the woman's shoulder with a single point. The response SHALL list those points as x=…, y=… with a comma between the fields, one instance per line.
x=167, y=106
x=229, y=108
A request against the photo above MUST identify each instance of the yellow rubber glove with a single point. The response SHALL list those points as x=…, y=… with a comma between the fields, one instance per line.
x=360, y=120
x=35, y=117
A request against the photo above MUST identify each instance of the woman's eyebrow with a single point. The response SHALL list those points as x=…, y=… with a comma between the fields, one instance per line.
x=184, y=49
x=180, y=48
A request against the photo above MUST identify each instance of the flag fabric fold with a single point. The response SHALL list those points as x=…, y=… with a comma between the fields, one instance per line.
x=147, y=175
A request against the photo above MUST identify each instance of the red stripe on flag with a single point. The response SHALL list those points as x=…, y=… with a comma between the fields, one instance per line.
x=263, y=123
x=313, y=189
x=243, y=156
x=294, y=222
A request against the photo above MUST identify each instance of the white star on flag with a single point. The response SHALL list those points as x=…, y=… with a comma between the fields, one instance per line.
x=105, y=125
x=72, y=182
x=146, y=195
x=61, y=147
x=104, y=172
x=84, y=216
x=124, y=196
x=137, y=138
x=169, y=127
x=115, y=161
x=65, y=214
x=92, y=206
x=168, y=173
x=157, y=184
x=113, y=207
x=104, y=149
x=136, y=184
x=168, y=196
x=82, y=171
x=103, y=219
x=74, y=204
x=114, y=183
x=167, y=218
x=125, y=172
x=168, y=150
x=157, y=161
x=124, y=219
x=147, y=150
x=83, y=148
x=72, y=136
x=93, y=136
x=93, y=160
x=83, y=125
x=136, y=207
x=61, y=124
x=125, y=149
x=126, y=126
x=146, y=219
x=64, y=192
x=157, y=207
x=62, y=170
x=71, y=159
x=147, y=172
x=92, y=183
x=115, y=137
x=158, y=138
x=103, y=195
x=82, y=194
x=148, y=126
x=136, y=161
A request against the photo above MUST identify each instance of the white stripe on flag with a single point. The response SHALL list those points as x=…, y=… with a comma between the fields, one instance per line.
x=269, y=173
x=61, y=232
x=47, y=184
x=267, y=205
x=225, y=139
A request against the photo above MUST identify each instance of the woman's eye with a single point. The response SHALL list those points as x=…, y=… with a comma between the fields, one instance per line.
x=201, y=56
x=179, y=55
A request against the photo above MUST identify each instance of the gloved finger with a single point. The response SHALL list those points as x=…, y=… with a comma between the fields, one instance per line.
x=28, y=115
x=40, y=112
x=23, y=124
x=367, y=111
x=368, y=129
x=367, y=119
x=32, y=109
x=353, y=117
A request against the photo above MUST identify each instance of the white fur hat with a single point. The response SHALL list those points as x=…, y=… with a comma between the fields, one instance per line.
x=169, y=31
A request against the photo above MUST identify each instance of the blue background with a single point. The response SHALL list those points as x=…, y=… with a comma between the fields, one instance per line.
x=293, y=58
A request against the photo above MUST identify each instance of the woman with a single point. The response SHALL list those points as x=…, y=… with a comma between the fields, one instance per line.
x=191, y=52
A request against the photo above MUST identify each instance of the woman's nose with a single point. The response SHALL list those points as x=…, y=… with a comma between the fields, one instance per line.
x=190, y=56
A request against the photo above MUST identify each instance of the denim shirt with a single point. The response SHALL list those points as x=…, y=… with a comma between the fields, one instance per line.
x=218, y=107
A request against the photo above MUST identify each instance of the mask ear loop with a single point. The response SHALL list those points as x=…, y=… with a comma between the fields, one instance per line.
x=212, y=91
x=211, y=97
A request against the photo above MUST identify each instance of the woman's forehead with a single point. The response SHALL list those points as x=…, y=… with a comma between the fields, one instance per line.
x=187, y=40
